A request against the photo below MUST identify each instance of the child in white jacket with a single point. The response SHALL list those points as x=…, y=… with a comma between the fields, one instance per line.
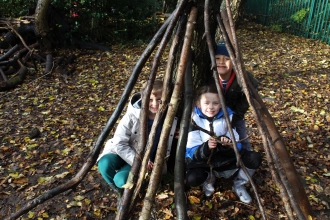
x=209, y=115
x=117, y=157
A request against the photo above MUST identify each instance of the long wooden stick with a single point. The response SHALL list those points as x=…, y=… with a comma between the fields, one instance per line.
x=146, y=157
x=264, y=130
x=173, y=106
x=304, y=211
x=179, y=169
x=270, y=161
x=133, y=174
x=216, y=76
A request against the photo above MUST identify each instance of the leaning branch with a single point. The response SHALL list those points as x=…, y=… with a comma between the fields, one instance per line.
x=173, y=106
x=132, y=177
x=179, y=168
x=304, y=210
x=92, y=157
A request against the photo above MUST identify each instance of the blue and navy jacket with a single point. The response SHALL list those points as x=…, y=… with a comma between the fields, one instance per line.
x=197, y=138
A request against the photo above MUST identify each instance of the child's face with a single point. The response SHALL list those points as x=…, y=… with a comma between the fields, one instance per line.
x=224, y=64
x=154, y=102
x=209, y=104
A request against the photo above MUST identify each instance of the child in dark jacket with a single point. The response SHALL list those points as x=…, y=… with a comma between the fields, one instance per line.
x=203, y=151
x=233, y=92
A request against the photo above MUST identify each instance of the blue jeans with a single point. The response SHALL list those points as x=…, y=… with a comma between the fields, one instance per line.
x=239, y=125
x=114, y=169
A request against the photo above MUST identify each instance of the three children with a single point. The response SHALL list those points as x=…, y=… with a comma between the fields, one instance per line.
x=202, y=149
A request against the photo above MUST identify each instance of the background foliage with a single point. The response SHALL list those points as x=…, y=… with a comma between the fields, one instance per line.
x=105, y=21
x=309, y=19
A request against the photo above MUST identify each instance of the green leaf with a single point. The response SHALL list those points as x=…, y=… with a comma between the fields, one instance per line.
x=31, y=214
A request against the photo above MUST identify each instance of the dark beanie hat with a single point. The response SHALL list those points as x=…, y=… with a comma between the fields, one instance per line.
x=221, y=49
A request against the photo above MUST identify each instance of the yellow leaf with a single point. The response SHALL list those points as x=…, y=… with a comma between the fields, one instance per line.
x=62, y=175
x=45, y=215
x=45, y=112
x=79, y=198
x=127, y=185
x=31, y=214
x=87, y=201
x=14, y=175
x=66, y=151
x=197, y=217
x=100, y=109
x=97, y=212
x=44, y=179
x=74, y=203
x=209, y=204
x=193, y=199
x=251, y=217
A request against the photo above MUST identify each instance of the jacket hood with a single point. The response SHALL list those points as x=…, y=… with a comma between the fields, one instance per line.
x=134, y=105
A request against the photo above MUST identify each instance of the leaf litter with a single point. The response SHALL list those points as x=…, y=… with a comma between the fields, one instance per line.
x=294, y=80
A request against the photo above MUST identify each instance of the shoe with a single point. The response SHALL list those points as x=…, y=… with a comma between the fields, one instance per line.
x=117, y=190
x=119, y=193
x=208, y=185
x=239, y=187
x=242, y=193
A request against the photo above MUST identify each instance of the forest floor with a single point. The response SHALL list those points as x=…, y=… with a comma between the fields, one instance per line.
x=294, y=77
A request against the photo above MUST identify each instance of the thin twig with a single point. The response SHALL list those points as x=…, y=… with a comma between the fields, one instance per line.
x=18, y=35
x=214, y=136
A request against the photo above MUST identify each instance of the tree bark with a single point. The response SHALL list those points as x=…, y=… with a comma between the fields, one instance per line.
x=284, y=158
x=41, y=17
x=173, y=106
x=179, y=169
x=132, y=177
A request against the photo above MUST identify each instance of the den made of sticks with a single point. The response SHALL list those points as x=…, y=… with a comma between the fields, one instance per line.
x=189, y=34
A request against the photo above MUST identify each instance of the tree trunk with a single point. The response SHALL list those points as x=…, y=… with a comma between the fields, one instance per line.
x=41, y=22
x=41, y=17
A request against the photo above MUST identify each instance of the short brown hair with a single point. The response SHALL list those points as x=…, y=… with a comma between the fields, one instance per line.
x=156, y=87
x=205, y=89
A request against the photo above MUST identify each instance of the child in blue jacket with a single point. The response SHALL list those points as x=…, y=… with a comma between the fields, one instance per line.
x=203, y=150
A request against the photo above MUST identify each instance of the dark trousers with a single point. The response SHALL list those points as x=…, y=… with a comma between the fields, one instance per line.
x=197, y=176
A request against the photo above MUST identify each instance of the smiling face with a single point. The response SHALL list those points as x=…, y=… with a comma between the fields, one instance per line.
x=154, y=102
x=209, y=104
x=224, y=66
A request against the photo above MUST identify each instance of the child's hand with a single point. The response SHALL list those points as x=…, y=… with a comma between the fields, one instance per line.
x=212, y=143
x=150, y=165
x=176, y=134
x=225, y=139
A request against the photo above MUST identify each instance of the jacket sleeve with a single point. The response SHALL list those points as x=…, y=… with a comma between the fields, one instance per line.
x=194, y=140
x=241, y=103
x=203, y=152
x=121, y=139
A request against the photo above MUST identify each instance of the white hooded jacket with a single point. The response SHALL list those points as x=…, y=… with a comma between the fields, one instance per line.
x=126, y=135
